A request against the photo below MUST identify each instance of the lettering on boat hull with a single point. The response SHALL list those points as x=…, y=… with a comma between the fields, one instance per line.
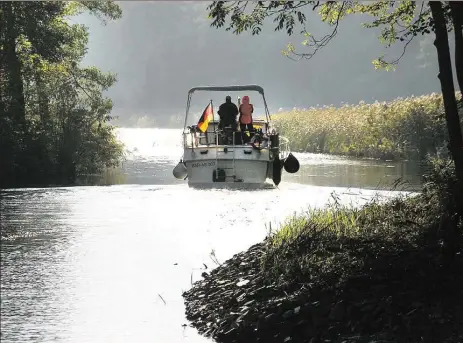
x=203, y=164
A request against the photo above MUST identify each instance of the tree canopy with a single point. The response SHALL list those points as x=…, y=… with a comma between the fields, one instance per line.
x=54, y=117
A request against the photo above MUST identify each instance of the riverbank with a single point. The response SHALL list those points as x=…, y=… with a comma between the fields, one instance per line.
x=384, y=272
x=407, y=128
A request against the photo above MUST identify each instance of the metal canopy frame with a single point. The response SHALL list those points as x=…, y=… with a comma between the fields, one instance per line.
x=235, y=88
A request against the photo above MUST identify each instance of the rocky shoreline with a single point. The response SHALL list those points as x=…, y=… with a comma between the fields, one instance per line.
x=405, y=297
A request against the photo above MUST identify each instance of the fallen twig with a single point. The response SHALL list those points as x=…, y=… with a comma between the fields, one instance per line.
x=162, y=299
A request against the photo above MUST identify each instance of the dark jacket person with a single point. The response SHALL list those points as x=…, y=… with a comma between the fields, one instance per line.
x=228, y=112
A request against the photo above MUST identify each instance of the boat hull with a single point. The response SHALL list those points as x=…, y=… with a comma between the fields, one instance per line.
x=228, y=167
x=232, y=185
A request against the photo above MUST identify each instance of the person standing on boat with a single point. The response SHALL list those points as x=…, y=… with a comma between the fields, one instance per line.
x=246, y=110
x=228, y=113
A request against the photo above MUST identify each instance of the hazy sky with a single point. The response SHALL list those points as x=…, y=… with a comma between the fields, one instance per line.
x=161, y=49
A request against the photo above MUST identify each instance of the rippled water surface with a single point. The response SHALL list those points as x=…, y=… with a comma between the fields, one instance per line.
x=109, y=263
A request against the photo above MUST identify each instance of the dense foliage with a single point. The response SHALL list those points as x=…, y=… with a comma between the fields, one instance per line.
x=54, y=118
x=404, y=128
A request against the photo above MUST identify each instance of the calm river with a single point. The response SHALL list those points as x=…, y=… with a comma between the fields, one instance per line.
x=109, y=263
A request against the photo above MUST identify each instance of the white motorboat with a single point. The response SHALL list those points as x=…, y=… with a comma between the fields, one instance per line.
x=216, y=158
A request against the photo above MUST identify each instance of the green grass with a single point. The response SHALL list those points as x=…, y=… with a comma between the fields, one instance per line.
x=342, y=220
x=407, y=128
x=324, y=238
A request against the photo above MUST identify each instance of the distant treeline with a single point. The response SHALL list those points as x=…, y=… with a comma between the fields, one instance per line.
x=409, y=128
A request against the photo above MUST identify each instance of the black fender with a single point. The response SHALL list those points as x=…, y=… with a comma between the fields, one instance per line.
x=291, y=164
x=277, y=168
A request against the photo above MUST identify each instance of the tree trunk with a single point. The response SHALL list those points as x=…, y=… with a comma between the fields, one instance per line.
x=456, y=9
x=448, y=89
x=2, y=90
x=451, y=235
x=3, y=95
x=17, y=107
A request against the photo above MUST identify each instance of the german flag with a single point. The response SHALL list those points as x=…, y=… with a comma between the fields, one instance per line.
x=206, y=117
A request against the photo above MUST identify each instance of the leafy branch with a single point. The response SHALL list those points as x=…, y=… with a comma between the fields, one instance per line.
x=398, y=20
x=312, y=42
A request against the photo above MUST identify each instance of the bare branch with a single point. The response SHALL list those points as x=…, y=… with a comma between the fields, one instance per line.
x=409, y=40
x=318, y=44
x=270, y=13
x=232, y=4
x=396, y=61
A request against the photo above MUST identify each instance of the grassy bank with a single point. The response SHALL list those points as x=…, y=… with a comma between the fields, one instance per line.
x=384, y=272
x=404, y=128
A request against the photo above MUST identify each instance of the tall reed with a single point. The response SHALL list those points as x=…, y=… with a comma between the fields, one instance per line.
x=409, y=128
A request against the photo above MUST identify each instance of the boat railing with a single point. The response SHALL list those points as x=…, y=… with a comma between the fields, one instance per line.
x=193, y=137
x=197, y=139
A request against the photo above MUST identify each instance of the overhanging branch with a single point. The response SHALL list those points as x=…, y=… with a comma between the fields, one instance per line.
x=315, y=43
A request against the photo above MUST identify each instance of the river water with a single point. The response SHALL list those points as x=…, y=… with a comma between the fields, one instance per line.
x=109, y=263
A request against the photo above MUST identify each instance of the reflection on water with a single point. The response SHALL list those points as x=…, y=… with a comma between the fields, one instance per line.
x=90, y=264
x=324, y=170
x=149, y=162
